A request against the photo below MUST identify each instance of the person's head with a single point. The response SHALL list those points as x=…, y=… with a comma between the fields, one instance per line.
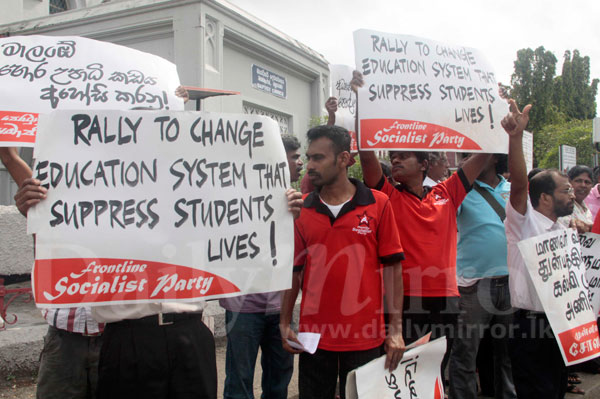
x=408, y=165
x=292, y=145
x=328, y=154
x=533, y=172
x=582, y=179
x=596, y=175
x=438, y=166
x=496, y=165
x=551, y=194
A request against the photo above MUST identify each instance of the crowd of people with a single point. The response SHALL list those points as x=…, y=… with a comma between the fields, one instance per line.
x=379, y=262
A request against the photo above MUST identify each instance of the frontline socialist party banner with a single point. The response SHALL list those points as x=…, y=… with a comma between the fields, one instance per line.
x=420, y=94
x=39, y=74
x=153, y=206
x=556, y=267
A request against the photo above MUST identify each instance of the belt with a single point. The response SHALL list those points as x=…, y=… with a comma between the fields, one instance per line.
x=160, y=319
x=83, y=334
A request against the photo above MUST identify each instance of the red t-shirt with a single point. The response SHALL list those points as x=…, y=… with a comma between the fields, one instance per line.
x=427, y=228
x=342, y=291
x=596, y=227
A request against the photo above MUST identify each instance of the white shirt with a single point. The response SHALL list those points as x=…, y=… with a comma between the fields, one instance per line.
x=518, y=228
x=429, y=182
x=114, y=313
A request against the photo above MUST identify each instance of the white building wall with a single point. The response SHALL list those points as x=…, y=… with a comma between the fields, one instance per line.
x=213, y=44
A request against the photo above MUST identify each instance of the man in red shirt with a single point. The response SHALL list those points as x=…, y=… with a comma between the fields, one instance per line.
x=344, y=234
x=426, y=220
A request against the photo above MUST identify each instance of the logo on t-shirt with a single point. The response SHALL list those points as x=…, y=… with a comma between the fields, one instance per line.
x=439, y=200
x=364, y=224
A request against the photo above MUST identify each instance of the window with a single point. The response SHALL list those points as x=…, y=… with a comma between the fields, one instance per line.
x=57, y=6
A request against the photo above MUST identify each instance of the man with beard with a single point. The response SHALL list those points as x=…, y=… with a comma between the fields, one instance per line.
x=344, y=234
x=537, y=364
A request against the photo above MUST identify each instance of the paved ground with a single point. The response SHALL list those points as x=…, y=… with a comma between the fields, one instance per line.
x=21, y=343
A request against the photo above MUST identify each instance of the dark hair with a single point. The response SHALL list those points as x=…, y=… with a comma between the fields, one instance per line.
x=578, y=170
x=290, y=143
x=502, y=164
x=533, y=172
x=339, y=136
x=420, y=155
x=542, y=183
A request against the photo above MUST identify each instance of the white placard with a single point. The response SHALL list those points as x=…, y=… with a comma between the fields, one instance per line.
x=555, y=264
x=590, y=254
x=421, y=94
x=528, y=149
x=567, y=157
x=152, y=206
x=418, y=375
x=39, y=74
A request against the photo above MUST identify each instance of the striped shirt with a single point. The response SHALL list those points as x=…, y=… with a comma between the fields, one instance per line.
x=77, y=320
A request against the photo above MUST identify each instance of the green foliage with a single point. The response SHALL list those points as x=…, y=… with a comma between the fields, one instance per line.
x=555, y=99
x=576, y=133
x=533, y=83
x=317, y=120
x=355, y=170
x=563, y=106
x=574, y=95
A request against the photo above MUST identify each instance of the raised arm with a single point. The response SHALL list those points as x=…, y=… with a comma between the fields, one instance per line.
x=369, y=163
x=474, y=166
x=331, y=105
x=514, y=123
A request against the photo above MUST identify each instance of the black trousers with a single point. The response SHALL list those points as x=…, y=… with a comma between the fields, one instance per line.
x=141, y=359
x=318, y=373
x=438, y=315
x=539, y=371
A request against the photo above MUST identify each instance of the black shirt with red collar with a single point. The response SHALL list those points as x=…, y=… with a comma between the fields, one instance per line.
x=342, y=292
x=427, y=228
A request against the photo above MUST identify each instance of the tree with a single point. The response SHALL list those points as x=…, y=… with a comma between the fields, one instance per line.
x=576, y=133
x=533, y=83
x=574, y=95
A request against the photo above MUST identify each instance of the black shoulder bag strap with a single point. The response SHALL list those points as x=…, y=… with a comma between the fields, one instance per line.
x=499, y=209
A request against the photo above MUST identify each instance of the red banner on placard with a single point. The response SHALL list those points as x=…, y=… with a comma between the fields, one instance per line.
x=407, y=134
x=68, y=281
x=18, y=127
x=581, y=342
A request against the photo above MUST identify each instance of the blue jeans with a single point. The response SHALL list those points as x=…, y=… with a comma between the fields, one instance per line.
x=246, y=332
x=483, y=305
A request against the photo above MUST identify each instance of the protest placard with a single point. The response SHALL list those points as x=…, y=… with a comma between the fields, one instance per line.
x=555, y=264
x=152, y=206
x=528, y=150
x=590, y=255
x=417, y=376
x=39, y=74
x=421, y=94
x=339, y=78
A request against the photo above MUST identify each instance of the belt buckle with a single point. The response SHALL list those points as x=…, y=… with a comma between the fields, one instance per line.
x=161, y=322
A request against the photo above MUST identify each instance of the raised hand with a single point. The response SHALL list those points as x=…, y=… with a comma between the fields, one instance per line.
x=515, y=122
